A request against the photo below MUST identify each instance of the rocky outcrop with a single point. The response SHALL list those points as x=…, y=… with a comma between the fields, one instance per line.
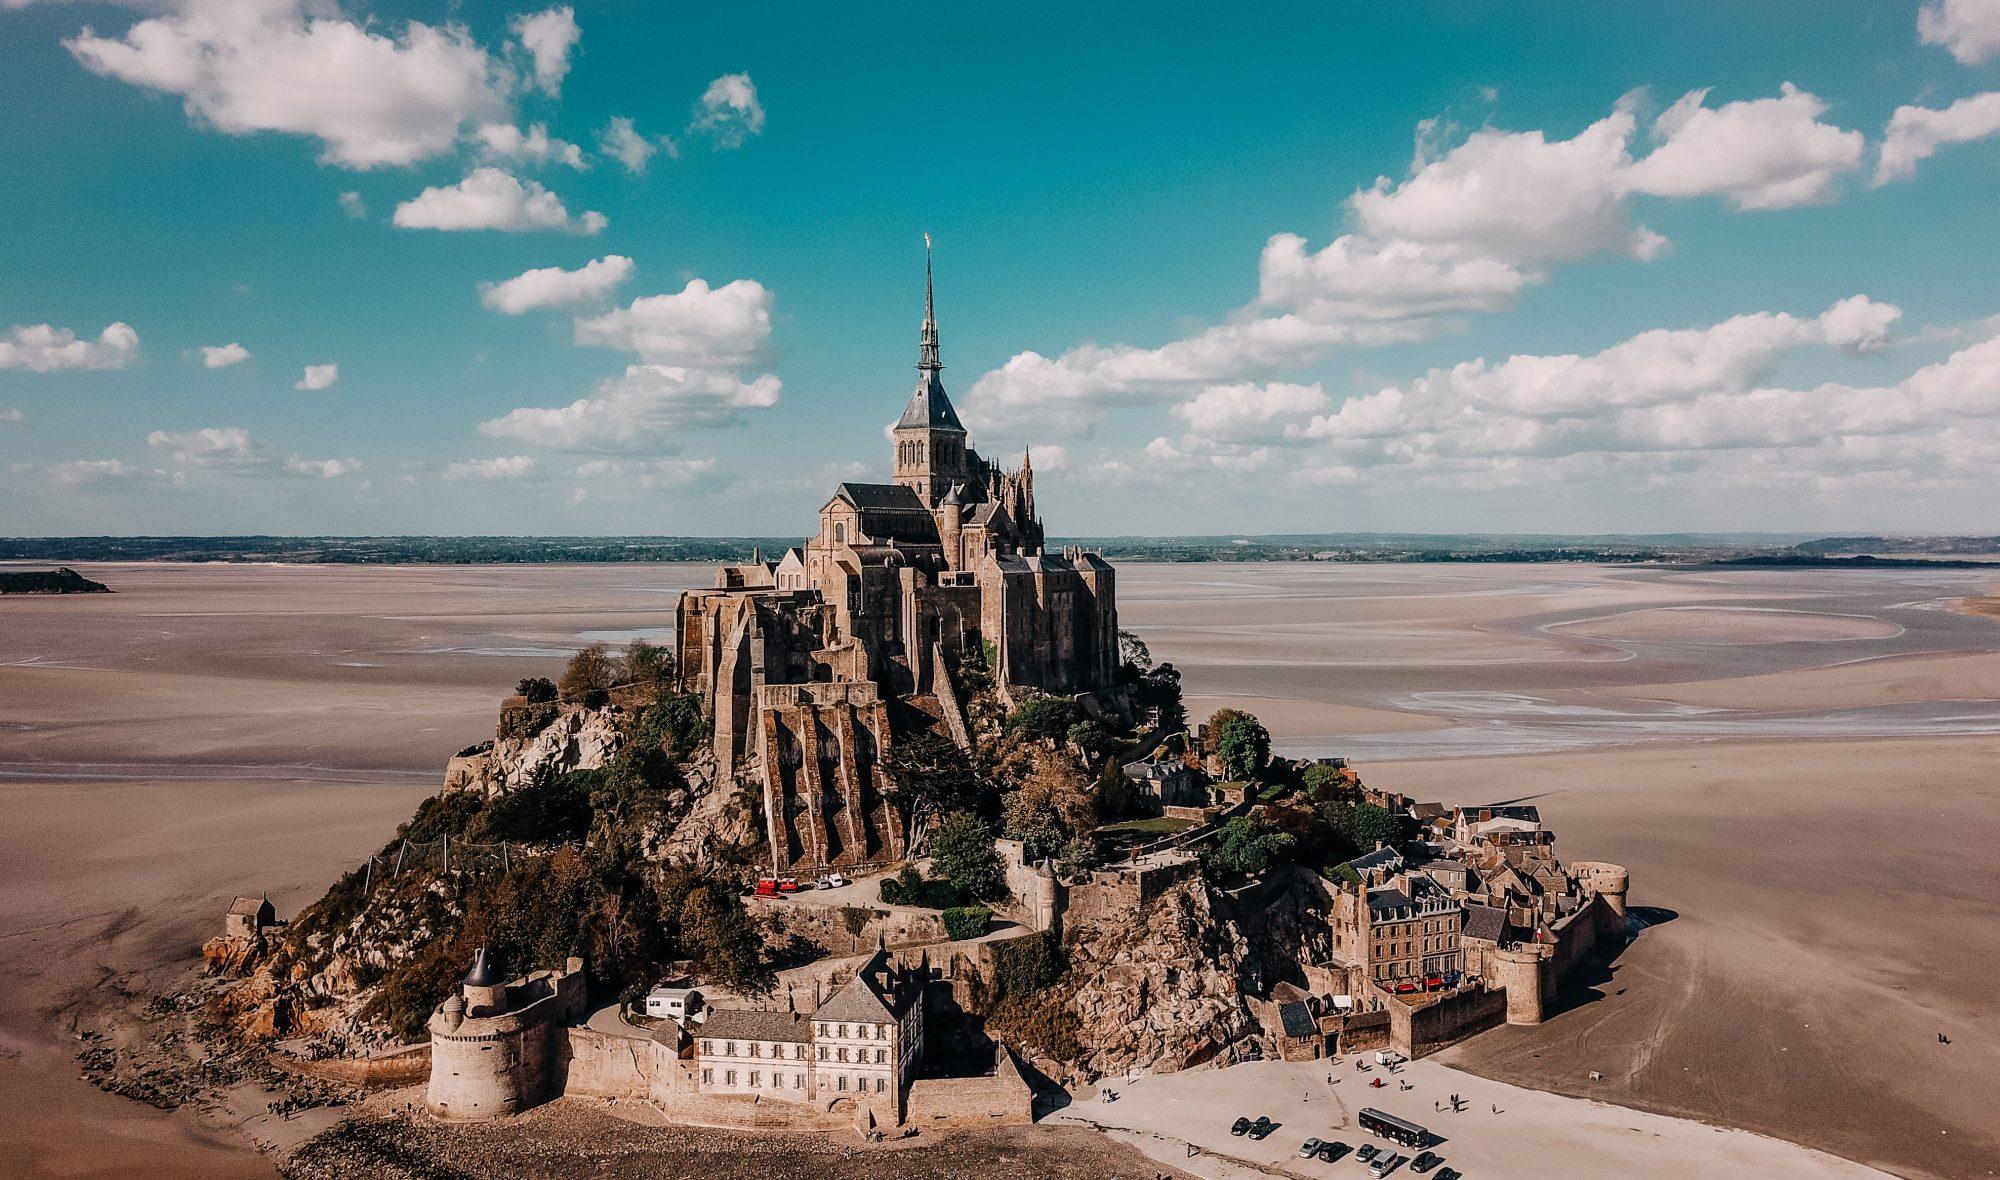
x=232, y=956
x=578, y=737
x=1160, y=991
x=708, y=821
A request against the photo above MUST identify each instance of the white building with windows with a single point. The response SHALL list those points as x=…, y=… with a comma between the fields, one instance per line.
x=765, y=1054
x=861, y=1048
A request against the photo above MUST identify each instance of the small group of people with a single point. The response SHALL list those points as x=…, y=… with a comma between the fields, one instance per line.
x=289, y=1105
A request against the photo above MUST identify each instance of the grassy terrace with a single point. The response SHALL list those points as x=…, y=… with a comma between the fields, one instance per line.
x=1161, y=826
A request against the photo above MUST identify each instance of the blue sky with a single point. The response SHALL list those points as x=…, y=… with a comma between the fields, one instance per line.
x=1561, y=267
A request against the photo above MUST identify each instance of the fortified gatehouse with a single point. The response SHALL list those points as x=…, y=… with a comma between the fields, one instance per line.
x=803, y=662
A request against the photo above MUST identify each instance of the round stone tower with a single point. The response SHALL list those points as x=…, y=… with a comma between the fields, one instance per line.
x=1608, y=881
x=1519, y=970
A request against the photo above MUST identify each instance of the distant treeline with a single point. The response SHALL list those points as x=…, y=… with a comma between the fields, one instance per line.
x=1673, y=548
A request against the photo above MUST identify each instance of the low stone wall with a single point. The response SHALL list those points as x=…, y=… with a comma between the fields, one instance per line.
x=1419, y=1032
x=605, y=1065
x=406, y=1066
x=995, y=1101
x=1365, y=1031
x=825, y=926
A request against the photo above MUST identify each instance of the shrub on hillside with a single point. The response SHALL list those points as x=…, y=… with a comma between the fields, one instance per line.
x=969, y=921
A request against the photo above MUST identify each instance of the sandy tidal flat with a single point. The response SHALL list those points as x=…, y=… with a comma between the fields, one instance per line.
x=213, y=730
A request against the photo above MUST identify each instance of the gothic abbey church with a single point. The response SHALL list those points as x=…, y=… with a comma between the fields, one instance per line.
x=803, y=663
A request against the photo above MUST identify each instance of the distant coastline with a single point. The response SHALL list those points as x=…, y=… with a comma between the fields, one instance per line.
x=1723, y=549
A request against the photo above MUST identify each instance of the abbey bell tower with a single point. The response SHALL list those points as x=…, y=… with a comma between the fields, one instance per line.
x=930, y=440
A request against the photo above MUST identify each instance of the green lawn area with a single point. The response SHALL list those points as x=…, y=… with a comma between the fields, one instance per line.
x=1161, y=826
x=1270, y=791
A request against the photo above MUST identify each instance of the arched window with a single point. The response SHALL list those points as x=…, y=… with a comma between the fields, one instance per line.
x=839, y=532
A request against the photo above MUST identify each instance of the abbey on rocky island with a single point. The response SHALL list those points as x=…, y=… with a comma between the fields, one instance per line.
x=801, y=662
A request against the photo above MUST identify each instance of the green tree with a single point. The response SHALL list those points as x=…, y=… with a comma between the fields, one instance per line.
x=962, y=856
x=1362, y=825
x=929, y=775
x=1132, y=650
x=589, y=675
x=720, y=934
x=536, y=689
x=1244, y=847
x=1042, y=716
x=1050, y=807
x=649, y=665
x=1241, y=741
x=1161, y=689
x=1089, y=739
x=1327, y=785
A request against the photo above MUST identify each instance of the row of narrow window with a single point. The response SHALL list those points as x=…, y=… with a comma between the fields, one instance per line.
x=755, y=1080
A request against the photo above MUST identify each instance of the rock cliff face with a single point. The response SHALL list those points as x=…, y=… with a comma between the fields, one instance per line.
x=577, y=738
x=1157, y=991
x=1163, y=988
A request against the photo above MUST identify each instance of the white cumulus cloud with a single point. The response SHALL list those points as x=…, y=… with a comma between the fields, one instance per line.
x=491, y=198
x=555, y=287
x=1766, y=153
x=647, y=408
x=352, y=205
x=728, y=112
x=318, y=377
x=43, y=348
x=245, y=66
x=221, y=356
x=1969, y=29
x=548, y=37
x=726, y=327
x=1915, y=134
x=505, y=141
x=622, y=142
x=1466, y=232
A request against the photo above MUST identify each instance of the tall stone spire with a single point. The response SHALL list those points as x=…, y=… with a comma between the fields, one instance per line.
x=930, y=440
x=927, y=356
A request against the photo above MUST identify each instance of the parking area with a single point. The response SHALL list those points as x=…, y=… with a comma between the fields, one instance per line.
x=1500, y=1132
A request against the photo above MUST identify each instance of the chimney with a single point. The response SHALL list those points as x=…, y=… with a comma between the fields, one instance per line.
x=1485, y=813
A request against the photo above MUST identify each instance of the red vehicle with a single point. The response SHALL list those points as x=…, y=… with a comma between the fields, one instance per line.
x=788, y=884
x=1405, y=988
x=767, y=887
x=1433, y=981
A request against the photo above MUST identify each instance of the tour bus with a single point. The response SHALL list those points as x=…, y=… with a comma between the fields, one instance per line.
x=1388, y=1126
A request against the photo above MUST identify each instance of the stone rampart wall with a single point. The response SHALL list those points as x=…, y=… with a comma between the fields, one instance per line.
x=1419, y=1032
x=996, y=1101
x=606, y=1065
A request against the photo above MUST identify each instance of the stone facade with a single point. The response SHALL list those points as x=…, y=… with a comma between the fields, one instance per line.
x=802, y=661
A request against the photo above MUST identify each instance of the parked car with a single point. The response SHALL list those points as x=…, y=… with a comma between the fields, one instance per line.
x=1330, y=1152
x=835, y=881
x=1240, y=1127
x=1385, y=1164
x=1262, y=1127
x=788, y=885
x=1309, y=1148
x=1368, y=1152
x=1425, y=1161
x=1451, y=1174
x=767, y=887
